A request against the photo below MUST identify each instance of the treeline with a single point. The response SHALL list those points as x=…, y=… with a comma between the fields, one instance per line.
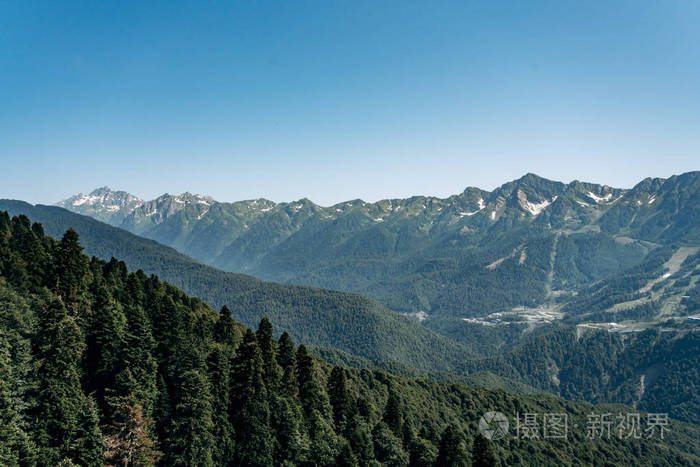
x=350, y=322
x=100, y=366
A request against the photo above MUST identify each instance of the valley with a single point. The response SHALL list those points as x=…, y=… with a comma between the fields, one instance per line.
x=470, y=293
x=531, y=243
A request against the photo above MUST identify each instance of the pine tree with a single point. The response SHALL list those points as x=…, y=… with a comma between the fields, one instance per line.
x=452, y=452
x=483, y=454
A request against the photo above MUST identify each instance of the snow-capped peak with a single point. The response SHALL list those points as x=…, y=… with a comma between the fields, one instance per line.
x=102, y=201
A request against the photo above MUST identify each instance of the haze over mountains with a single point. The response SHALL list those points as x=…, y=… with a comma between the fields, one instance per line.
x=524, y=244
x=549, y=290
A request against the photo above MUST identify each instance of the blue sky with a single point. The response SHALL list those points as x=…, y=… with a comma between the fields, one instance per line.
x=336, y=100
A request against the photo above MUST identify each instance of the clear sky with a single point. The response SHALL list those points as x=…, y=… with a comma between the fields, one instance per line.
x=335, y=100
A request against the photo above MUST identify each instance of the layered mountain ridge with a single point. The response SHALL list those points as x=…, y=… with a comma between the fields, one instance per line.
x=522, y=242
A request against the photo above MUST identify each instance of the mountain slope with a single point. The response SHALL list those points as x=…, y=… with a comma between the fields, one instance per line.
x=653, y=370
x=531, y=236
x=349, y=322
x=102, y=366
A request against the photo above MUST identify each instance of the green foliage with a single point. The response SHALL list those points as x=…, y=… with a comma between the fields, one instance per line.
x=452, y=451
x=175, y=382
x=350, y=322
x=599, y=366
x=483, y=454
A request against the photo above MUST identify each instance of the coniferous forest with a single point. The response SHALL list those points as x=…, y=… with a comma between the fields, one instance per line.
x=349, y=233
x=102, y=366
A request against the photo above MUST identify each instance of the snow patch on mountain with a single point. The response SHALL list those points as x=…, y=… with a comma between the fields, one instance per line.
x=481, y=208
x=599, y=199
x=536, y=208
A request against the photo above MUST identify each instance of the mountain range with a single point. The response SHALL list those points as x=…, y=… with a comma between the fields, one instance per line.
x=570, y=356
x=523, y=244
x=527, y=285
x=103, y=366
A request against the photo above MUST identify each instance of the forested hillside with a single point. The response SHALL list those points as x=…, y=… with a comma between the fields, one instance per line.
x=349, y=322
x=103, y=366
x=600, y=367
x=654, y=370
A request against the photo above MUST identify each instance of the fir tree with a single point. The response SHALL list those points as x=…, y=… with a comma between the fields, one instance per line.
x=71, y=269
x=266, y=342
x=388, y=448
x=452, y=452
x=317, y=410
x=219, y=369
x=15, y=445
x=225, y=329
x=105, y=342
x=138, y=358
x=360, y=438
x=62, y=405
x=392, y=414
x=28, y=258
x=292, y=444
x=346, y=458
x=250, y=406
x=422, y=453
x=483, y=454
x=191, y=441
x=340, y=398
x=88, y=439
x=286, y=356
x=17, y=378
